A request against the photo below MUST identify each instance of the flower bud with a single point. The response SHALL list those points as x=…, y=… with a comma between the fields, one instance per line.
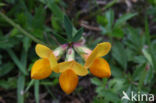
x=83, y=51
x=58, y=52
x=70, y=54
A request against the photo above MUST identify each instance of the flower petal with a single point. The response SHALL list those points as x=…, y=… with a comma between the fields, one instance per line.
x=41, y=69
x=53, y=60
x=42, y=51
x=100, y=50
x=100, y=68
x=73, y=65
x=68, y=81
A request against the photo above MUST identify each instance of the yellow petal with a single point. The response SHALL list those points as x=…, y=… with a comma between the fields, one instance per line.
x=100, y=68
x=100, y=50
x=43, y=51
x=68, y=81
x=53, y=60
x=41, y=69
x=73, y=65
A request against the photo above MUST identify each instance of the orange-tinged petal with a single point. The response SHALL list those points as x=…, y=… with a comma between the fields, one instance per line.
x=68, y=81
x=41, y=69
x=100, y=68
x=100, y=50
x=42, y=51
x=73, y=65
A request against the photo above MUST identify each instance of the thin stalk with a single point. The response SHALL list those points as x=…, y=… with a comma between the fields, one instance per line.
x=20, y=28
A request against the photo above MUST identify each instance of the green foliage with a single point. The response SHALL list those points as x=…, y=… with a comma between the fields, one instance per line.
x=68, y=27
x=111, y=27
x=51, y=22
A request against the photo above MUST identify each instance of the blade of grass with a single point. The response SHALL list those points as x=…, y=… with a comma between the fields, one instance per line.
x=36, y=92
x=20, y=28
x=16, y=61
x=147, y=31
x=29, y=85
x=24, y=58
x=20, y=88
x=148, y=36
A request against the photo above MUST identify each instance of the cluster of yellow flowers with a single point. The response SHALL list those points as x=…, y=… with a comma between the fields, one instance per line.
x=70, y=69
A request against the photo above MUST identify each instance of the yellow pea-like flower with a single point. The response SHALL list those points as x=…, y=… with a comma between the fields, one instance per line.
x=68, y=81
x=97, y=65
x=94, y=61
x=42, y=68
x=70, y=70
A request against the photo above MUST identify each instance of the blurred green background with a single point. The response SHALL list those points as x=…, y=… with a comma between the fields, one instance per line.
x=130, y=26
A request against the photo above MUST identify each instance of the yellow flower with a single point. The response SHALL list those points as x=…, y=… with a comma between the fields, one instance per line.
x=94, y=61
x=97, y=65
x=43, y=67
x=70, y=70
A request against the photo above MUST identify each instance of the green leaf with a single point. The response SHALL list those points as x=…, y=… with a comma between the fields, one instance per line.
x=68, y=27
x=6, y=68
x=20, y=88
x=60, y=38
x=8, y=42
x=119, y=54
x=104, y=30
x=110, y=18
x=10, y=83
x=55, y=10
x=55, y=22
x=134, y=39
x=124, y=18
x=102, y=20
x=139, y=59
x=142, y=79
x=96, y=81
x=137, y=72
x=78, y=35
x=36, y=92
x=117, y=32
x=148, y=56
x=116, y=72
x=116, y=84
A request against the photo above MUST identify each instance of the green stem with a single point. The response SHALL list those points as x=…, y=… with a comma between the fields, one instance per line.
x=20, y=28
x=29, y=85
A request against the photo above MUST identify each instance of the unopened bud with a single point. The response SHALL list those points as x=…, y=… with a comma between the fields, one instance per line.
x=83, y=51
x=58, y=52
x=70, y=54
x=147, y=67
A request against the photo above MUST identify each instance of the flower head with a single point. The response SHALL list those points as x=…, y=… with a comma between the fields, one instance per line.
x=94, y=61
x=43, y=67
x=70, y=70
